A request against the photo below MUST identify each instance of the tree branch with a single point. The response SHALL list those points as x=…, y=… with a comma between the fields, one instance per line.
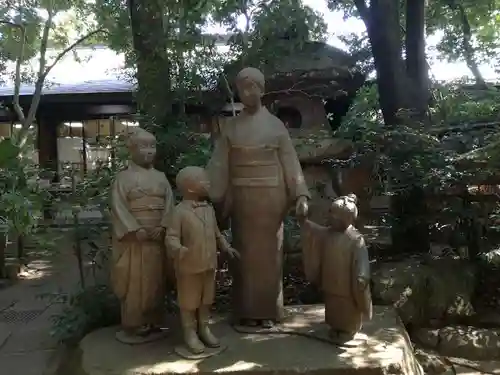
x=363, y=10
x=45, y=69
x=230, y=92
x=467, y=48
x=23, y=133
x=69, y=48
x=19, y=59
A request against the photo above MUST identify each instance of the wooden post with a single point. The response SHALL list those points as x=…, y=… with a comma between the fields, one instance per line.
x=48, y=159
x=3, y=246
x=76, y=228
x=113, y=143
x=84, y=150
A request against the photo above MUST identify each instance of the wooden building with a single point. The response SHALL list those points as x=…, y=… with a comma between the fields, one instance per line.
x=72, y=119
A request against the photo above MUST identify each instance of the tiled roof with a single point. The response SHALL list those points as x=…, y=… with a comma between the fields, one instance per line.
x=98, y=65
x=89, y=87
x=101, y=61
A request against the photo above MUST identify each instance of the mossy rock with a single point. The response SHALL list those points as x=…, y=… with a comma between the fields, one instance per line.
x=426, y=292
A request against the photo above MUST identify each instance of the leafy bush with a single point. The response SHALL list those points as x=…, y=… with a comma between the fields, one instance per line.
x=402, y=156
x=179, y=146
x=21, y=197
x=87, y=309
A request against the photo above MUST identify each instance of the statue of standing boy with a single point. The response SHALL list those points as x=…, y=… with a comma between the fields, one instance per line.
x=192, y=240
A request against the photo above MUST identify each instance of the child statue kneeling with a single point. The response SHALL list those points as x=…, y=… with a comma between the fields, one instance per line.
x=192, y=239
x=336, y=258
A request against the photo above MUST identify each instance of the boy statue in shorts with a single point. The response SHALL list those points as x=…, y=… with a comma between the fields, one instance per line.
x=192, y=239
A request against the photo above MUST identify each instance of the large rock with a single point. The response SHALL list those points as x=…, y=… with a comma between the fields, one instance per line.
x=488, y=290
x=462, y=341
x=437, y=364
x=386, y=349
x=313, y=147
x=433, y=364
x=426, y=292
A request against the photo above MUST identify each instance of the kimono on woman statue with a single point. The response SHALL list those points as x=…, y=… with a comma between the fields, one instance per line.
x=256, y=176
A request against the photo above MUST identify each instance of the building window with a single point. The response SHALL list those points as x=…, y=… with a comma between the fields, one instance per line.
x=84, y=146
x=290, y=116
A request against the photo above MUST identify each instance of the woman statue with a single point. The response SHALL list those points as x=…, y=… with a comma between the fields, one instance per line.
x=141, y=201
x=256, y=176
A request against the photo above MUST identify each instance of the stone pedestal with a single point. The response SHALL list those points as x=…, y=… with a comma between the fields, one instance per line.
x=385, y=349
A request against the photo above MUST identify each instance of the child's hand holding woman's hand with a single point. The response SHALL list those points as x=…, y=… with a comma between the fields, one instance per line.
x=233, y=253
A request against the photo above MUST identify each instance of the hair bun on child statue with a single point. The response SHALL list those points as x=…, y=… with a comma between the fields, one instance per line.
x=352, y=198
x=345, y=207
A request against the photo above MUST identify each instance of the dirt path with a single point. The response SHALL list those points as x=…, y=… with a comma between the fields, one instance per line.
x=26, y=346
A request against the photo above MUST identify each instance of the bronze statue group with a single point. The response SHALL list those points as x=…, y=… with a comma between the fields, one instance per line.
x=253, y=179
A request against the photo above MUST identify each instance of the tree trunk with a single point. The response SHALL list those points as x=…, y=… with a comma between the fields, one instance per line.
x=411, y=229
x=153, y=67
x=3, y=247
x=416, y=62
x=468, y=50
x=382, y=23
x=400, y=87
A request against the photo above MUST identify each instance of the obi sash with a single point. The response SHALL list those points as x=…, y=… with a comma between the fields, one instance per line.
x=147, y=210
x=255, y=166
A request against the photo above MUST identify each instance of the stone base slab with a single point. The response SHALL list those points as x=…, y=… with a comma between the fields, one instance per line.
x=183, y=352
x=386, y=349
x=124, y=338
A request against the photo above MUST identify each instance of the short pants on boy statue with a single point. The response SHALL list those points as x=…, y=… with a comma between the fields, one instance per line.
x=192, y=240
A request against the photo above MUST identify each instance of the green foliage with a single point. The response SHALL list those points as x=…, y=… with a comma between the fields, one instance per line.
x=84, y=311
x=404, y=157
x=467, y=30
x=482, y=17
x=10, y=37
x=8, y=153
x=291, y=233
x=21, y=196
x=70, y=18
x=472, y=115
x=179, y=147
x=359, y=47
x=271, y=30
x=458, y=105
x=93, y=305
x=274, y=20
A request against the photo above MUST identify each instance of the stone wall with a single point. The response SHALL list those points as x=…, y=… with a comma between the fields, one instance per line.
x=311, y=109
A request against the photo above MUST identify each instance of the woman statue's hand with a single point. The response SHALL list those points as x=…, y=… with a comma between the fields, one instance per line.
x=302, y=207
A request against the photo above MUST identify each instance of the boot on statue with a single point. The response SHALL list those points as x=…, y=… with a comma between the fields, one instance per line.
x=191, y=339
x=204, y=332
